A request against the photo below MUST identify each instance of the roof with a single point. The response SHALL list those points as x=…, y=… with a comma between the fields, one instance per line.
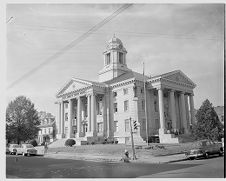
x=126, y=76
x=91, y=82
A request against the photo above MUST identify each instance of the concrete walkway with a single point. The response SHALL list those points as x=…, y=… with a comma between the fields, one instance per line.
x=114, y=158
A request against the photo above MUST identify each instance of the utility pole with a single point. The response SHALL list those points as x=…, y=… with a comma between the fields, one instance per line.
x=131, y=131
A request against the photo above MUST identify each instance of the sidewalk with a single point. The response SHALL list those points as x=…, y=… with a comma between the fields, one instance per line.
x=114, y=158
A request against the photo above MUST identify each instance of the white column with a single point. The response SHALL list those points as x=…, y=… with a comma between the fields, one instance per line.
x=93, y=113
x=187, y=111
x=70, y=118
x=173, y=110
x=183, y=113
x=89, y=112
x=62, y=119
x=191, y=101
x=78, y=116
x=104, y=116
x=161, y=111
x=59, y=119
x=108, y=111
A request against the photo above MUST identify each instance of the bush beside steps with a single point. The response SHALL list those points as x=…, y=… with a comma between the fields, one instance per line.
x=69, y=142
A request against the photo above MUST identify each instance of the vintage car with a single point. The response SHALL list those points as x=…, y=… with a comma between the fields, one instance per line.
x=205, y=149
x=26, y=149
x=13, y=148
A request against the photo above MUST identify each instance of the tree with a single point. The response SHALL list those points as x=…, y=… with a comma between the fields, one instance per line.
x=21, y=120
x=208, y=125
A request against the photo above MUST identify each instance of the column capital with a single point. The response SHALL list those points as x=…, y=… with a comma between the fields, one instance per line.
x=172, y=90
x=182, y=92
x=159, y=88
x=191, y=94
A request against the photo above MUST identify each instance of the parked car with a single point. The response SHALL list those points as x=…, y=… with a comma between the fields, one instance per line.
x=26, y=149
x=204, y=150
x=13, y=148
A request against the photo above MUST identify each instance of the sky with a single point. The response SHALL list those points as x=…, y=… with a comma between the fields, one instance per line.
x=167, y=37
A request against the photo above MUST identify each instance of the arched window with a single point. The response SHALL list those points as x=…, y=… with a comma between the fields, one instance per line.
x=120, y=57
x=108, y=59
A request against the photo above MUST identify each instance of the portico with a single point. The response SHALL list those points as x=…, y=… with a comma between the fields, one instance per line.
x=78, y=114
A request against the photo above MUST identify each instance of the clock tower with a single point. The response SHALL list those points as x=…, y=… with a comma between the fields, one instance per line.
x=114, y=60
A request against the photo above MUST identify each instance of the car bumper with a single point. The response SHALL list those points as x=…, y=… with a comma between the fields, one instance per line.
x=194, y=155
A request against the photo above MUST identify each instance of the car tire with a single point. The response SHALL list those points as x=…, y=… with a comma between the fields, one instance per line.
x=28, y=154
x=220, y=153
x=206, y=155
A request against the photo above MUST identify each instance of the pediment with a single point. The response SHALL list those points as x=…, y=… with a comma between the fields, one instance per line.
x=73, y=85
x=180, y=77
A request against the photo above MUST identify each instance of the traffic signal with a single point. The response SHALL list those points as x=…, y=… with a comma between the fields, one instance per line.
x=135, y=124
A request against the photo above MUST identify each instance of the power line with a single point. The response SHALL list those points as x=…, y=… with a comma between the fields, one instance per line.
x=71, y=44
x=126, y=33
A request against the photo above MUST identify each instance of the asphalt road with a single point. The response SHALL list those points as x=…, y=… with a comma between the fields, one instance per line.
x=41, y=167
x=207, y=168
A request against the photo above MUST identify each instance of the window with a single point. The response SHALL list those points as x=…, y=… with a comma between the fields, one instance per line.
x=143, y=125
x=120, y=58
x=100, y=127
x=127, y=126
x=66, y=116
x=115, y=107
x=141, y=90
x=125, y=91
x=99, y=108
x=143, y=105
x=49, y=130
x=66, y=130
x=157, y=124
x=115, y=126
x=156, y=106
x=44, y=131
x=108, y=58
x=126, y=105
x=115, y=94
x=66, y=105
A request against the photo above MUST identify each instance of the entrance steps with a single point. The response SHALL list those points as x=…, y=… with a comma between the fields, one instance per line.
x=57, y=143
x=168, y=138
x=138, y=141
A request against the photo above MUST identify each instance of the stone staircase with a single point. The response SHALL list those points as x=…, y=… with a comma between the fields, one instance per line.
x=168, y=138
x=57, y=143
x=138, y=141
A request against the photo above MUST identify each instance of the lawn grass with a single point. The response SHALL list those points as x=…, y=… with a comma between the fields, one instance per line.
x=155, y=149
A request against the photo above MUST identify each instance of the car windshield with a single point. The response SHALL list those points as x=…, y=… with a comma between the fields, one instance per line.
x=15, y=146
x=28, y=146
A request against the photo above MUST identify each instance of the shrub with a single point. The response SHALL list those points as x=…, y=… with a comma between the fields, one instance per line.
x=116, y=142
x=69, y=142
x=34, y=143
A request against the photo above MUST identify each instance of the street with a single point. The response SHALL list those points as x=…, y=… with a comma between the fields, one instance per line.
x=41, y=167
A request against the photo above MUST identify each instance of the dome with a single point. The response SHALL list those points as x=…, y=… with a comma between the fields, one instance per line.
x=115, y=40
x=115, y=43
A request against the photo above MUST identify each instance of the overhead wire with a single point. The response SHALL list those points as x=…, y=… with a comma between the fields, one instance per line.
x=71, y=44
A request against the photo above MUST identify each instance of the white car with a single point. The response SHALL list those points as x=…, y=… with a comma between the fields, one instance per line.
x=26, y=149
x=13, y=148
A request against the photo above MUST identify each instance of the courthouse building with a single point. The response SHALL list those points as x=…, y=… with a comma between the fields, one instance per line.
x=92, y=111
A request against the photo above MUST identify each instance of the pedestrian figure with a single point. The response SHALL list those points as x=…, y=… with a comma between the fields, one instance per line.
x=46, y=147
x=125, y=158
